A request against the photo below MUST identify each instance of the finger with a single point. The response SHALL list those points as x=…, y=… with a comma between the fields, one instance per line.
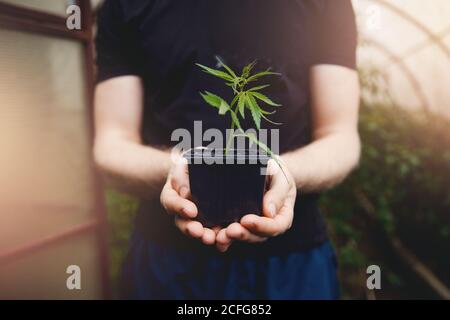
x=180, y=177
x=238, y=232
x=268, y=227
x=223, y=242
x=209, y=237
x=279, y=187
x=175, y=204
x=190, y=228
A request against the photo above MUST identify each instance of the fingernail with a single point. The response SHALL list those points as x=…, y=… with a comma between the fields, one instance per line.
x=272, y=210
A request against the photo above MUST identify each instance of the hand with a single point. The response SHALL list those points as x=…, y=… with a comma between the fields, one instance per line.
x=175, y=198
x=278, y=212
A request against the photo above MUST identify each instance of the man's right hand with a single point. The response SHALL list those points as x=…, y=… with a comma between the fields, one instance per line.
x=175, y=198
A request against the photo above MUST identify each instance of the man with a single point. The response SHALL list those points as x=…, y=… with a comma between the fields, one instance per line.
x=148, y=87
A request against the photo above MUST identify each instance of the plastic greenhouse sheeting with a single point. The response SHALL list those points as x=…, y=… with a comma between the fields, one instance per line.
x=409, y=40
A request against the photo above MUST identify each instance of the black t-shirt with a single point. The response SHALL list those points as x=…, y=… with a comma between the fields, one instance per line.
x=161, y=40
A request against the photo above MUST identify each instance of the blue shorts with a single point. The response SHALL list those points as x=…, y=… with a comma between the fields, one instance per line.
x=152, y=271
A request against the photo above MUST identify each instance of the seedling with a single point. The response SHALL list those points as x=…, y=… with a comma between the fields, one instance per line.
x=224, y=193
x=247, y=97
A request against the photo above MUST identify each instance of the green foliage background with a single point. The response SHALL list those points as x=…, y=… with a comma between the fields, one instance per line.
x=405, y=173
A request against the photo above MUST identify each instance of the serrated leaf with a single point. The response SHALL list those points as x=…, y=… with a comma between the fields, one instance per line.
x=241, y=105
x=211, y=99
x=262, y=74
x=266, y=112
x=224, y=107
x=254, y=108
x=235, y=99
x=265, y=99
x=247, y=69
x=216, y=102
x=231, y=72
x=256, y=118
x=247, y=101
x=216, y=73
x=259, y=87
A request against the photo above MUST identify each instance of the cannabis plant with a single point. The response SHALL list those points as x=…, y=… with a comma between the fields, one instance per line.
x=247, y=97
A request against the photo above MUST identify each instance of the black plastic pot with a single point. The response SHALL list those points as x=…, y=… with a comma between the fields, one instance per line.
x=225, y=187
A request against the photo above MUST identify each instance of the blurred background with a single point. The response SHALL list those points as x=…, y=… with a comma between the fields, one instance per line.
x=394, y=211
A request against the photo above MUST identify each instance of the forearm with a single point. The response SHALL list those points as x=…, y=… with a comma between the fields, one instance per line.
x=325, y=162
x=132, y=168
x=126, y=163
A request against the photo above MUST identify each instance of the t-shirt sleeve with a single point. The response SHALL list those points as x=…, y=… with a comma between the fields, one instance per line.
x=335, y=34
x=117, y=49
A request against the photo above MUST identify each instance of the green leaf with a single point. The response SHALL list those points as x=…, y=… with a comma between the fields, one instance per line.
x=254, y=108
x=259, y=87
x=265, y=99
x=216, y=102
x=211, y=99
x=216, y=73
x=247, y=69
x=266, y=112
x=224, y=107
x=235, y=99
x=262, y=74
x=268, y=120
x=241, y=105
x=231, y=72
x=235, y=119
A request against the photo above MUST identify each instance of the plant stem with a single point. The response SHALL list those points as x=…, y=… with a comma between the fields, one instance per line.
x=230, y=138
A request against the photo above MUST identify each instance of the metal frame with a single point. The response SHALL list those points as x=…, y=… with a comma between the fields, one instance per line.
x=434, y=38
x=398, y=59
x=13, y=17
x=31, y=20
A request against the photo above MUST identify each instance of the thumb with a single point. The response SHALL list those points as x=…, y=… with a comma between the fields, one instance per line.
x=272, y=203
x=275, y=196
x=180, y=178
